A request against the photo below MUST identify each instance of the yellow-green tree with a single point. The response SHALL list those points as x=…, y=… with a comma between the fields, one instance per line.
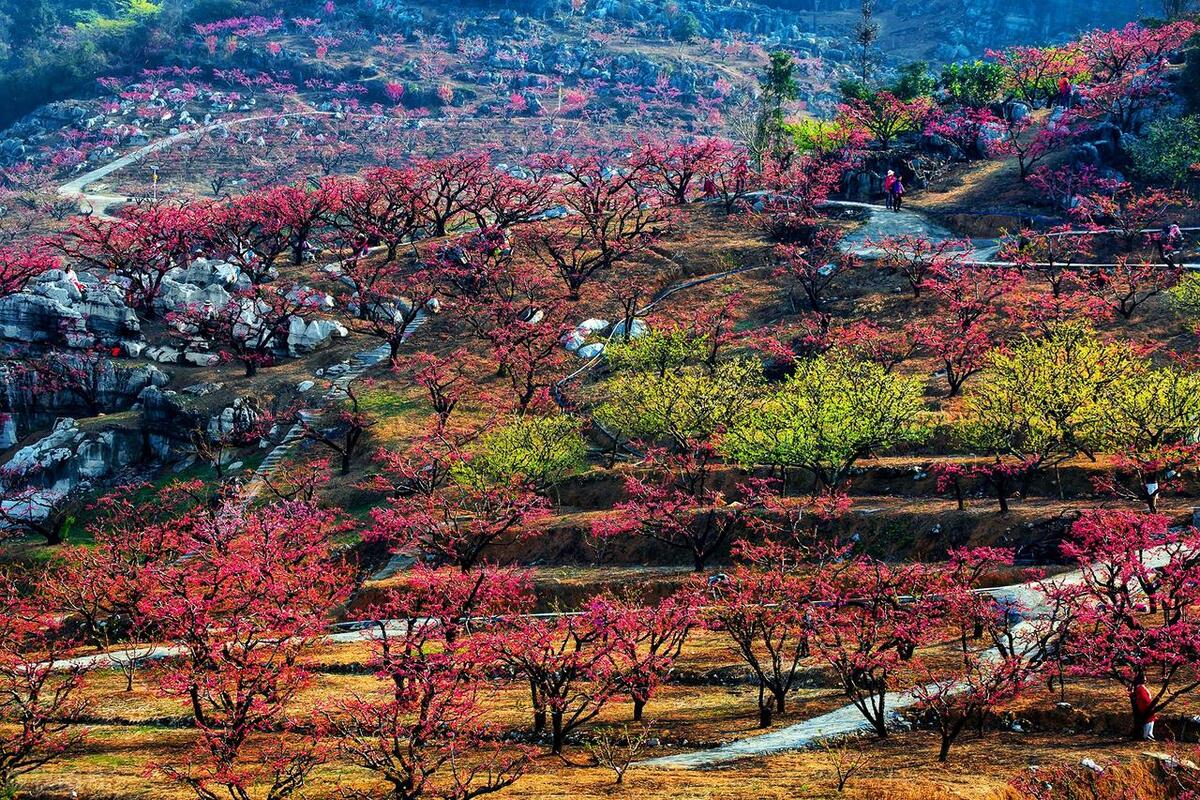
x=658, y=351
x=831, y=413
x=682, y=405
x=539, y=450
x=1185, y=297
x=1151, y=418
x=1045, y=399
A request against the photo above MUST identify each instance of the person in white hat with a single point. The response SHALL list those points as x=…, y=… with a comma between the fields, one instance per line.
x=888, y=183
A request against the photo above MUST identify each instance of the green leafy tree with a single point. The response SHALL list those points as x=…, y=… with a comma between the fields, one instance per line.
x=914, y=81
x=685, y=27
x=658, y=351
x=777, y=88
x=827, y=416
x=975, y=83
x=850, y=89
x=865, y=35
x=1185, y=297
x=1169, y=151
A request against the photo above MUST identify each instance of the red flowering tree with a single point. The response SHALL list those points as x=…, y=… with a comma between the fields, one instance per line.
x=567, y=662
x=612, y=216
x=678, y=504
x=886, y=116
x=1136, y=604
x=19, y=265
x=450, y=188
x=40, y=703
x=428, y=736
x=529, y=353
x=444, y=379
x=678, y=165
x=1065, y=184
x=242, y=611
x=871, y=620
x=1129, y=282
x=245, y=231
x=252, y=327
x=868, y=341
x=301, y=212
x=1030, y=143
x=1128, y=214
x=385, y=204
x=733, y=176
x=815, y=266
x=342, y=429
x=1113, y=54
x=445, y=517
x=647, y=640
x=88, y=377
x=971, y=130
x=967, y=694
x=918, y=258
x=139, y=248
x=1032, y=73
x=1128, y=68
x=1053, y=254
x=966, y=323
x=767, y=617
x=504, y=199
x=393, y=302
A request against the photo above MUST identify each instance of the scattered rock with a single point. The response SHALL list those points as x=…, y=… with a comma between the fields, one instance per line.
x=637, y=329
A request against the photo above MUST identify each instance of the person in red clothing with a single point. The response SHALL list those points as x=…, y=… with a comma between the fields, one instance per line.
x=1143, y=706
x=1064, y=92
x=888, y=183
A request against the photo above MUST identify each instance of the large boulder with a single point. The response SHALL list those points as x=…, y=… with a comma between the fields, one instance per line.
x=305, y=337
x=46, y=472
x=60, y=307
x=238, y=418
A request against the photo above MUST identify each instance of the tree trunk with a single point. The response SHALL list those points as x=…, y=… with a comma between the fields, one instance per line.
x=764, y=715
x=556, y=741
x=639, y=706
x=944, y=750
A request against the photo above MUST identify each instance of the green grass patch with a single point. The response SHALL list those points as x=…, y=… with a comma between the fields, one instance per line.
x=384, y=403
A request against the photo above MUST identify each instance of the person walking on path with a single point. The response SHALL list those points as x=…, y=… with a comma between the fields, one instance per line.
x=888, y=183
x=897, y=193
x=1143, y=706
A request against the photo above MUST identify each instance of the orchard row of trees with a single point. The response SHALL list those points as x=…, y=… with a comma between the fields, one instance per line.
x=513, y=234
x=230, y=605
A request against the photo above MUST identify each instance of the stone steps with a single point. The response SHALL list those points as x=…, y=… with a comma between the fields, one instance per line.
x=358, y=365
